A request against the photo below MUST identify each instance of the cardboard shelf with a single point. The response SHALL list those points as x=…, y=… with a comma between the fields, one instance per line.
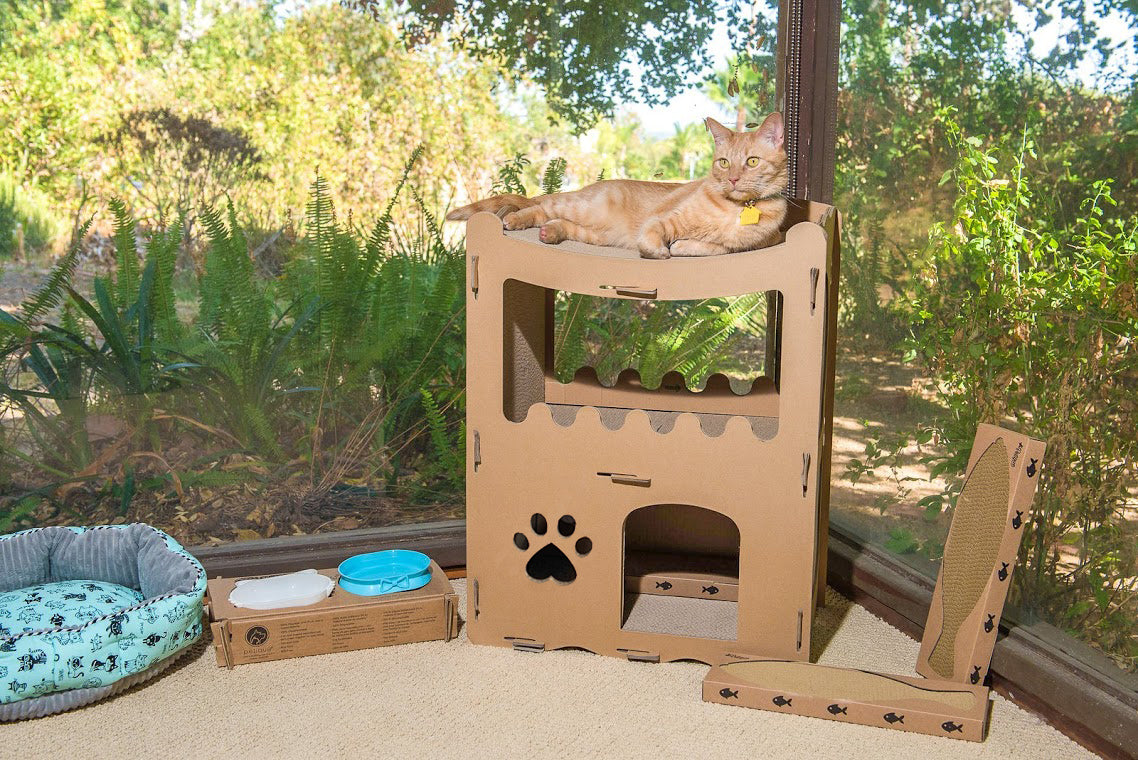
x=716, y=397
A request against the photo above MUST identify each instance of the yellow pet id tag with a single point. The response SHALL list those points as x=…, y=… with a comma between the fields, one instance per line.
x=749, y=215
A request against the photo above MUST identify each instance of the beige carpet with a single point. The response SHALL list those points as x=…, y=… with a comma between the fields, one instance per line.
x=454, y=700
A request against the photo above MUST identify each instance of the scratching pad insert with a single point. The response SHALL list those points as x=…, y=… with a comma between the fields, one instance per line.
x=971, y=549
x=845, y=685
x=681, y=616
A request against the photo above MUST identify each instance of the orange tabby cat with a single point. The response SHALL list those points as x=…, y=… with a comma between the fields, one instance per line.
x=738, y=207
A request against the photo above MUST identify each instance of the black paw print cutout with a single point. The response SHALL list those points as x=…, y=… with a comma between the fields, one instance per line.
x=550, y=561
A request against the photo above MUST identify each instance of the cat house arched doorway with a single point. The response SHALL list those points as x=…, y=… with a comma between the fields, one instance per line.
x=681, y=572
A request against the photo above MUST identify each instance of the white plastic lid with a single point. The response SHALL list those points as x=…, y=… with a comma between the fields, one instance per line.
x=292, y=590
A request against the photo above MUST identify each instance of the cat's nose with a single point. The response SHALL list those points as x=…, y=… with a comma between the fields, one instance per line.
x=732, y=180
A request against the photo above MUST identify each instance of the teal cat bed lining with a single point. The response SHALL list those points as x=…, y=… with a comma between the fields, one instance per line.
x=35, y=674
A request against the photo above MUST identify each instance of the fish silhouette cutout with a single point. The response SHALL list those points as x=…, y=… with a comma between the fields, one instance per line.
x=1017, y=521
x=949, y=726
x=664, y=585
x=728, y=694
x=974, y=676
x=836, y=709
x=1003, y=573
x=894, y=718
x=1031, y=468
x=989, y=624
x=549, y=561
x=713, y=590
x=971, y=550
x=781, y=701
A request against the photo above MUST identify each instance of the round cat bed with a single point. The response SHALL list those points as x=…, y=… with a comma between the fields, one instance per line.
x=88, y=612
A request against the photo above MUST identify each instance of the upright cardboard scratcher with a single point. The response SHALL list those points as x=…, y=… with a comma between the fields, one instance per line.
x=649, y=524
x=979, y=555
x=964, y=617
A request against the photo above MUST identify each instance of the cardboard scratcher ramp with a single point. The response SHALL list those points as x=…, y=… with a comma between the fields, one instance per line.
x=654, y=524
x=971, y=550
x=956, y=647
x=979, y=555
x=938, y=708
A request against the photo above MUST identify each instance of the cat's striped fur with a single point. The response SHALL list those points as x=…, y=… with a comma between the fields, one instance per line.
x=664, y=219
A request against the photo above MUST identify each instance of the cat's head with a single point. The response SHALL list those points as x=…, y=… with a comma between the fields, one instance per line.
x=749, y=165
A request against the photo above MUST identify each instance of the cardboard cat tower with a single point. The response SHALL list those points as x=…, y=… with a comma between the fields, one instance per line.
x=650, y=524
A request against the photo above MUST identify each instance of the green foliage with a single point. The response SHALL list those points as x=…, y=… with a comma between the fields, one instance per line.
x=695, y=338
x=169, y=106
x=449, y=448
x=579, y=56
x=25, y=219
x=510, y=175
x=1021, y=321
x=554, y=176
x=348, y=366
x=49, y=295
x=176, y=163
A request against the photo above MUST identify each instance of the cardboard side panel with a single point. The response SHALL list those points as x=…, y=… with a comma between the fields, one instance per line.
x=549, y=499
x=980, y=553
x=936, y=708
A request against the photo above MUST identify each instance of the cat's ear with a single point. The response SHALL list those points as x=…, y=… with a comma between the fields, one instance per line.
x=771, y=130
x=718, y=131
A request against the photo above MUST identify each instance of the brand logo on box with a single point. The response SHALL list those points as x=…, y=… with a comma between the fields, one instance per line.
x=257, y=635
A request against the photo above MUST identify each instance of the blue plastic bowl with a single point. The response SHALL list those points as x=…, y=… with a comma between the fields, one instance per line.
x=385, y=572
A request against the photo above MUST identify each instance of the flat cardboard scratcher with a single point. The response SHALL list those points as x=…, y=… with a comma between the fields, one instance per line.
x=653, y=524
x=939, y=708
x=956, y=647
x=979, y=555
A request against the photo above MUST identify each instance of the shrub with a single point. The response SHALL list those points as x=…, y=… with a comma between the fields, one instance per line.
x=1022, y=322
x=25, y=216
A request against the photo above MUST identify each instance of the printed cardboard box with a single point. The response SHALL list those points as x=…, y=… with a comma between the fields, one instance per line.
x=341, y=623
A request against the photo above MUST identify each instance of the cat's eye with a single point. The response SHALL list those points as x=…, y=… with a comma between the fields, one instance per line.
x=753, y=161
x=722, y=163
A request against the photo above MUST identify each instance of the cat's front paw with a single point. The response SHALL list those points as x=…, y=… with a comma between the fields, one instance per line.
x=659, y=252
x=514, y=221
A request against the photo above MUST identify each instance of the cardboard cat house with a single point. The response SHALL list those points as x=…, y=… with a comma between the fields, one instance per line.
x=653, y=524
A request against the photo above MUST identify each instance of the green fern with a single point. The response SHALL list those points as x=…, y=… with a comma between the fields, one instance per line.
x=162, y=254
x=127, y=270
x=51, y=293
x=554, y=176
x=450, y=451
